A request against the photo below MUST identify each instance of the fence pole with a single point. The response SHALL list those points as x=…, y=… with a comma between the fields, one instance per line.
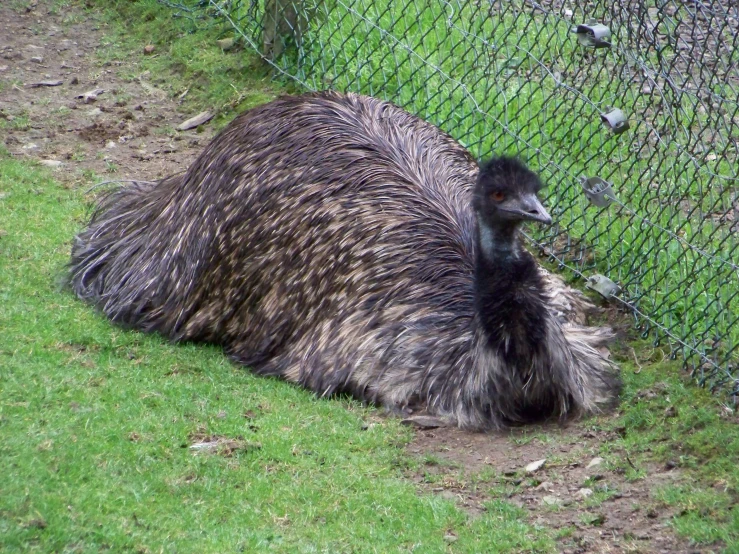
x=284, y=21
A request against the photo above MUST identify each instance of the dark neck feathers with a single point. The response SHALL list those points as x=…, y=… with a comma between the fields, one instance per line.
x=509, y=295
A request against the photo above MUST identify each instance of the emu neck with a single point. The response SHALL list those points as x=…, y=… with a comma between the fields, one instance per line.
x=509, y=294
x=497, y=243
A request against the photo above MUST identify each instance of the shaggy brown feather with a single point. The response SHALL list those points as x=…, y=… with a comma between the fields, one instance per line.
x=330, y=240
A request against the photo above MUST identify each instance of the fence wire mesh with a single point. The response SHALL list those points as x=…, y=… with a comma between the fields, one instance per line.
x=515, y=76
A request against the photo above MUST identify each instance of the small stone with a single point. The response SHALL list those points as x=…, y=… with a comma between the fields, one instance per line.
x=51, y=163
x=91, y=95
x=37, y=59
x=3, y=68
x=95, y=112
x=196, y=121
x=149, y=49
x=221, y=415
x=29, y=146
x=450, y=537
x=585, y=492
x=545, y=486
x=594, y=462
x=671, y=412
x=74, y=81
x=226, y=43
x=550, y=500
x=423, y=422
x=670, y=464
x=568, y=12
x=52, y=83
x=535, y=466
x=110, y=145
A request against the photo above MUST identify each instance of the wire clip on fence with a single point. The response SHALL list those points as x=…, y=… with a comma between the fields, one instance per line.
x=593, y=34
x=615, y=120
x=598, y=191
x=602, y=285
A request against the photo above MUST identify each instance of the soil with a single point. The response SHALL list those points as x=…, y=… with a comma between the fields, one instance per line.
x=128, y=132
x=562, y=493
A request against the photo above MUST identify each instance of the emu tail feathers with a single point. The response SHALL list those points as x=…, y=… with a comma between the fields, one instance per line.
x=115, y=260
x=568, y=304
x=594, y=378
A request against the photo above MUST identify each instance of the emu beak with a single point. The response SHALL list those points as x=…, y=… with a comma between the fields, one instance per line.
x=530, y=208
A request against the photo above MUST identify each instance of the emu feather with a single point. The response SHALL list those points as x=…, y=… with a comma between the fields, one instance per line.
x=331, y=240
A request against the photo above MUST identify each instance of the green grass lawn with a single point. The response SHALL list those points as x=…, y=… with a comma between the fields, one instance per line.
x=96, y=423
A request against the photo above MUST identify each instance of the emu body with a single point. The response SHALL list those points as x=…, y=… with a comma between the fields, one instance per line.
x=334, y=241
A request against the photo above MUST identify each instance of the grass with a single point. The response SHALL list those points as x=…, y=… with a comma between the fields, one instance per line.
x=96, y=422
x=670, y=421
x=667, y=420
x=20, y=122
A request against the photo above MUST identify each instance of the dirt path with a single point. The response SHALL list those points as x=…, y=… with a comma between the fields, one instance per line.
x=591, y=501
x=128, y=132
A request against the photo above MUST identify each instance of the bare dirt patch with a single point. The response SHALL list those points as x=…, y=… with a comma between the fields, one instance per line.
x=594, y=509
x=127, y=131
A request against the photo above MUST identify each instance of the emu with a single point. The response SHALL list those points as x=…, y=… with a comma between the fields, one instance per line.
x=343, y=244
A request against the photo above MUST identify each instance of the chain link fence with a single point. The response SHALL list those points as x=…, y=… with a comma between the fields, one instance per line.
x=627, y=108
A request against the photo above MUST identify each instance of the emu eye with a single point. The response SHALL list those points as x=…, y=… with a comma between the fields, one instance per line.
x=498, y=196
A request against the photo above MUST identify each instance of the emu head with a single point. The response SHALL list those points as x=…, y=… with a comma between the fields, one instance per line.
x=506, y=195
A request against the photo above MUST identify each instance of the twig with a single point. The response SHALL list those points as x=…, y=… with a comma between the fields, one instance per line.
x=628, y=460
x=636, y=360
x=98, y=185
